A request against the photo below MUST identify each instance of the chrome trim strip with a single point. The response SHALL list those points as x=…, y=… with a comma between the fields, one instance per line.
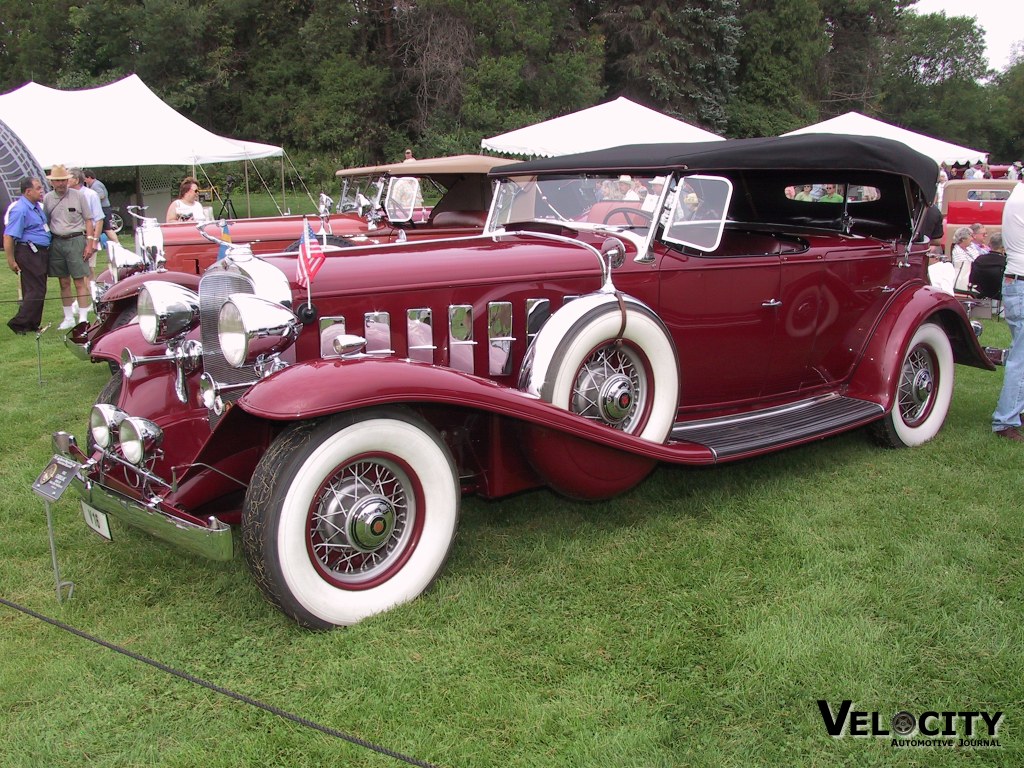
x=213, y=542
x=81, y=351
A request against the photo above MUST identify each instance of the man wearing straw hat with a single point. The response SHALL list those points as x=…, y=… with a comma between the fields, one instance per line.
x=73, y=243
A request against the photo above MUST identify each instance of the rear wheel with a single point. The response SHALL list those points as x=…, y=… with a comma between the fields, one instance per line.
x=923, y=392
x=350, y=516
x=116, y=222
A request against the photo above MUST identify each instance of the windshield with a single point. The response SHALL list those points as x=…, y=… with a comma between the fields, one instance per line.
x=359, y=194
x=616, y=201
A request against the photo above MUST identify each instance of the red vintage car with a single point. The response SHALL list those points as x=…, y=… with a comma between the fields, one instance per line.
x=447, y=196
x=622, y=307
x=393, y=202
x=974, y=201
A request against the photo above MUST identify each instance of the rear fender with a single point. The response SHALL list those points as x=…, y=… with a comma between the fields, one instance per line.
x=877, y=372
x=324, y=387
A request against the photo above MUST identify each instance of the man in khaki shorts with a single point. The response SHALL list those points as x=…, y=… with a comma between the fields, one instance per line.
x=73, y=243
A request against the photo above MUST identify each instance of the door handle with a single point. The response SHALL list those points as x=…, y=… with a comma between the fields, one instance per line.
x=771, y=303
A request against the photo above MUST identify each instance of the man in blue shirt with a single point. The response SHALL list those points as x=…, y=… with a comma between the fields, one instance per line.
x=27, y=246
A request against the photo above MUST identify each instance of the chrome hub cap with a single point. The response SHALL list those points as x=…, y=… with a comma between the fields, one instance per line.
x=917, y=386
x=370, y=523
x=610, y=388
x=616, y=399
x=362, y=521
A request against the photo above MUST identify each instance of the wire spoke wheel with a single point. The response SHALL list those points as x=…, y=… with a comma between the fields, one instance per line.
x=917, y=386
x=362, y=522
x=923, y=392
x=351, y=515
x=611, y=387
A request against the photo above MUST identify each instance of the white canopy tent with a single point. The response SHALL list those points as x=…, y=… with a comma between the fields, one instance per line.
x=611, y=124
x=116, y=125
x=141, y=130
x=861, y=125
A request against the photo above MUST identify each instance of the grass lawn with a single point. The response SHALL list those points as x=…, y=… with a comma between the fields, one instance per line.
x=695, y=621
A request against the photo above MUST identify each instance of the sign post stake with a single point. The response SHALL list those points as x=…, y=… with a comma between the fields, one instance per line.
x=50, y=486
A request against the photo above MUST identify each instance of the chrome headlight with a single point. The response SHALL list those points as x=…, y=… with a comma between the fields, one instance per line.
x=104, y=421
x=250, y=327
x=139, y=438
x=166, y=310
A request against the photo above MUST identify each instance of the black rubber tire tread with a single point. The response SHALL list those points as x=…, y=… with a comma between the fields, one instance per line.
x=287, y=445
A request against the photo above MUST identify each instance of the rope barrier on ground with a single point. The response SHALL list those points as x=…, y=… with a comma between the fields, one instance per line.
x=305, y=722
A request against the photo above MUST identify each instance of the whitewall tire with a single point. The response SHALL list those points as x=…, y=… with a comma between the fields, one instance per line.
x=924, y=391
x=609, y=362
x=350, y=516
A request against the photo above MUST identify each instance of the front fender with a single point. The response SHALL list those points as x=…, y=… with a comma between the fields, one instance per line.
x=129, y=287
x=879, y=367
x=324, y=387
x=109, y=345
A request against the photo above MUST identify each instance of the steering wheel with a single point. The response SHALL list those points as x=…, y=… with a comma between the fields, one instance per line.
x=643, y=217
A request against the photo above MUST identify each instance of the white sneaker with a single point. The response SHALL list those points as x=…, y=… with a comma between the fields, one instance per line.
x=68, y=322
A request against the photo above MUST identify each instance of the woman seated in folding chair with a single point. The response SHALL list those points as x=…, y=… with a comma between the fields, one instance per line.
x=963, y=257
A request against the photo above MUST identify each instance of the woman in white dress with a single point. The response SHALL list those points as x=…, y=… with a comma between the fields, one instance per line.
x=187, y=206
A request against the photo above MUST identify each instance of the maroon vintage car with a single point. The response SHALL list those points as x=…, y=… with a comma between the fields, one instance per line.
x=623, y=307
x=393, y=202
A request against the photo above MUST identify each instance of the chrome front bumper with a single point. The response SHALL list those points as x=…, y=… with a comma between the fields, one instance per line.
x=77, y=342
x=213, y=541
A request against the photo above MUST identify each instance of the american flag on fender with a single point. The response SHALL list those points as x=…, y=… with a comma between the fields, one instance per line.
x=311, y=256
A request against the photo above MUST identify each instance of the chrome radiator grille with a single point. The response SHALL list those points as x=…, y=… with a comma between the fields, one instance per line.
x=214, y=289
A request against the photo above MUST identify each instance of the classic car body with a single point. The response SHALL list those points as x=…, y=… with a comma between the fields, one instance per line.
x=574, y=344
x=457, y=187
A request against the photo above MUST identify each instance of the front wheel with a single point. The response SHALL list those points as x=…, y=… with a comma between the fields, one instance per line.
x=923, y=392
x=350, y=516
x=116, y=222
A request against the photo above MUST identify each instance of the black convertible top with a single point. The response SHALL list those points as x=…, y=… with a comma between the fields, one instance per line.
x=804, y=152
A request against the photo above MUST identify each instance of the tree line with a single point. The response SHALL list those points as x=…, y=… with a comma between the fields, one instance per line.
x=350, y=82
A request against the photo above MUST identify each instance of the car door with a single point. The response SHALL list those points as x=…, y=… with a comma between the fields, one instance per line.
x=857, y=284
x=721, y=312
x=803, y=304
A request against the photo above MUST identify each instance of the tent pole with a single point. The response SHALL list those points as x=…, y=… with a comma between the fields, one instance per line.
x=248, y=202
x=284, y=200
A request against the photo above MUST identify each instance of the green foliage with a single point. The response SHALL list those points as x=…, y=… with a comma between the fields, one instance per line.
x=782, y=44
x=677, y=57
x=353, y=82
x=1008, y=88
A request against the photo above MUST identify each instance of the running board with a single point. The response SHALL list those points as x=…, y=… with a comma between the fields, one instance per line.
x=730, y=436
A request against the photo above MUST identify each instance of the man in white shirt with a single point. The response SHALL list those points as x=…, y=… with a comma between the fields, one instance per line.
x=96, y=218
x=1006, y=418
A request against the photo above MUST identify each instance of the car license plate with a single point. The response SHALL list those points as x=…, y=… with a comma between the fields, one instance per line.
x=97, y=521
